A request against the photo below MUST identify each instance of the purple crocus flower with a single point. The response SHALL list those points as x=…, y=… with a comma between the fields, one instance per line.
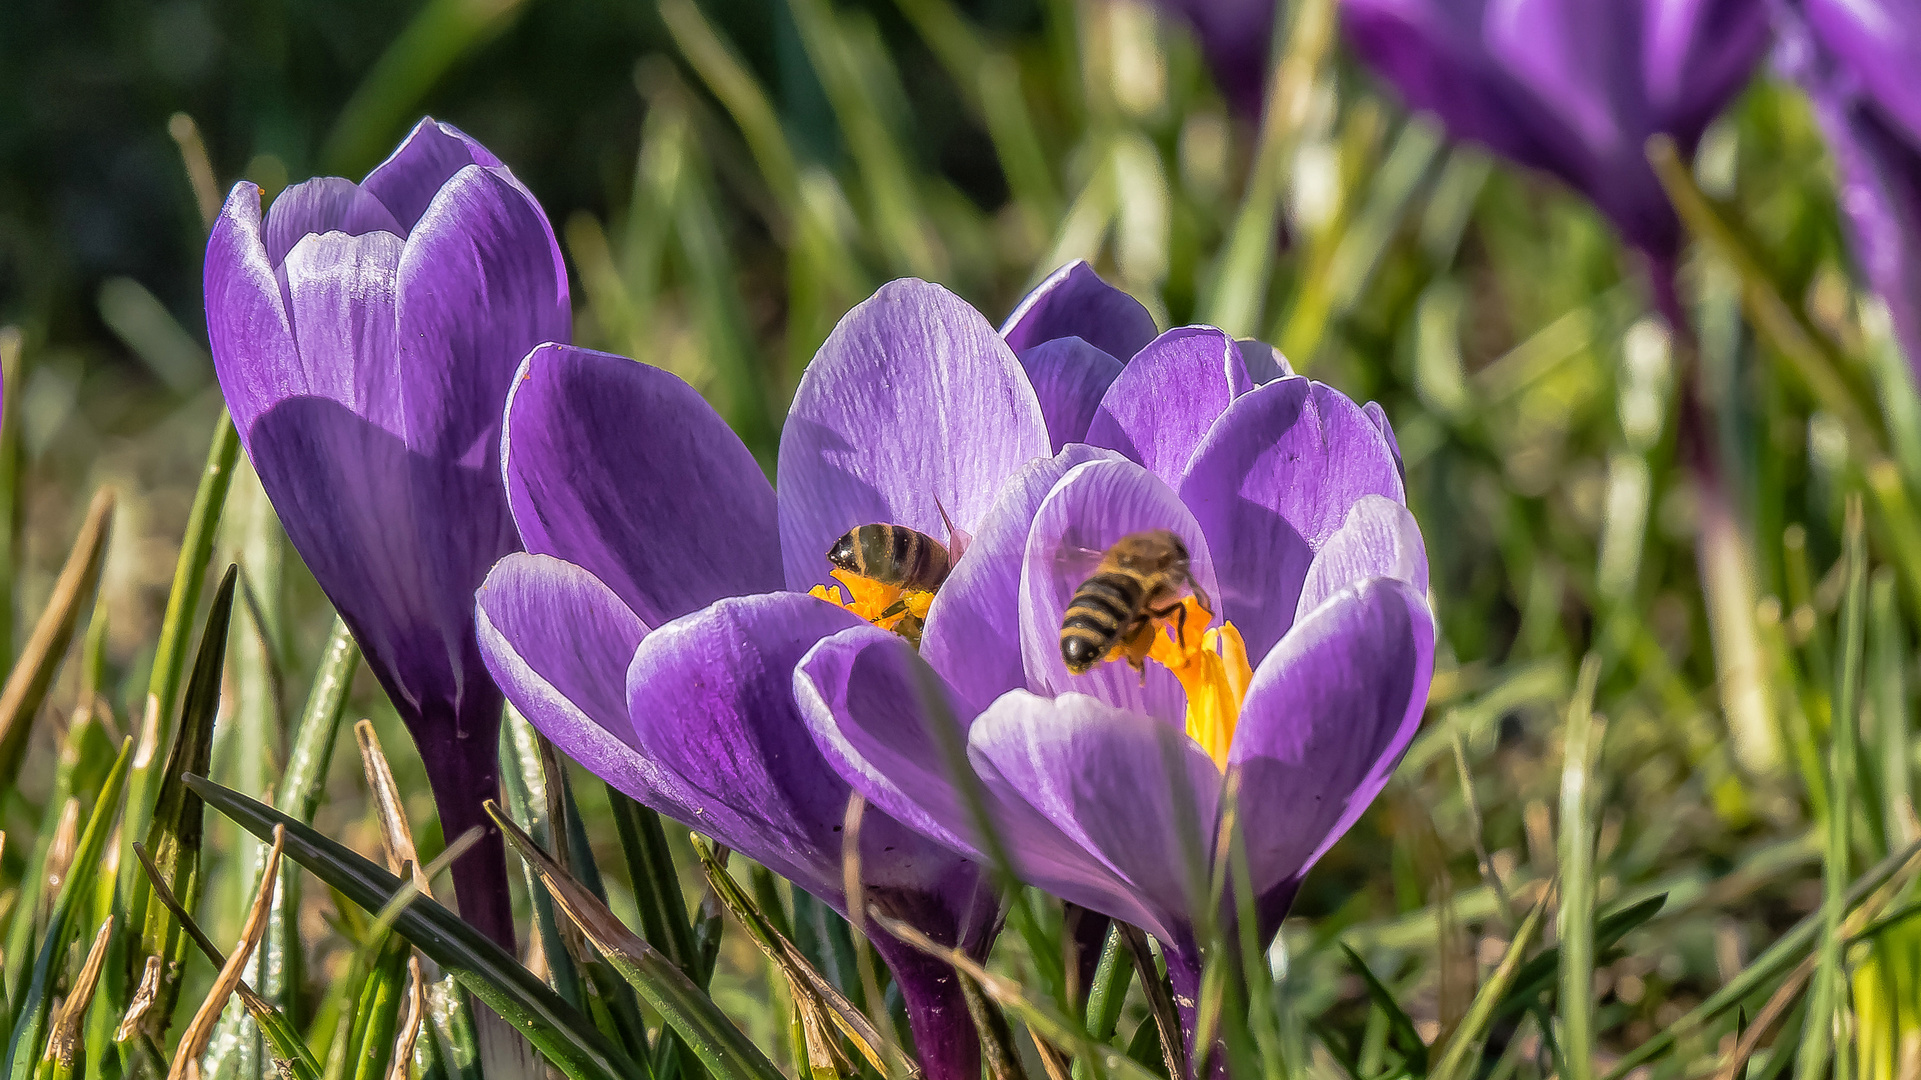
x=365, y=336
x=1857, y=60
x=1107, y=788
x=653, y=629
x=1571, y=87
x=1235, y=36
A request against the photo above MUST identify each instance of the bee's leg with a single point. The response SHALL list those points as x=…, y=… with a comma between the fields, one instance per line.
x=898, y=607
x=1140, y=667
x=1180, y=624
x=1207, y=602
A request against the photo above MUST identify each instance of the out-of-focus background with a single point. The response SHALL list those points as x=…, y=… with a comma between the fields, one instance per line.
x=728, y=176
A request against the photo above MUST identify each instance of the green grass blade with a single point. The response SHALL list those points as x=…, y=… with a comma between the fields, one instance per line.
x=567, y=1039
x=1463, y=1052
x=30, y=1025
x=178, y=826
x=664, y=923
x=28, y=681
x=1577, y=878
x=719, y=1045
x=524, y=783
x=1887, y=679
x=1828, y=992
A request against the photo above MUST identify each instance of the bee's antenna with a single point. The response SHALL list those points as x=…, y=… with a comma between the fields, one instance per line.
x=945, y=520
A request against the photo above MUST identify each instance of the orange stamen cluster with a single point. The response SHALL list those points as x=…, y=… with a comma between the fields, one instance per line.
x=1212, y=667
x=889, y=607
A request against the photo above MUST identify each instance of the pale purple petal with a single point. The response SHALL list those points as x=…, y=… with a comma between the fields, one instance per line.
x=321, y=205
x=341, y=295
x=1264, y=362
x=973, y=630
x=1163, y=404
x=1379, y=539
x=1075, y=302
x=1274, y=480
x=430, y=155
x=558, y=643
x=1327, y=717
x=623, y=468
x=248, y=326
x=913, y=405
x=1235, y=36
x=1069, y=377
x=1120, y=785
x=1379, y=416
x=712, y=700
x=1090, y=509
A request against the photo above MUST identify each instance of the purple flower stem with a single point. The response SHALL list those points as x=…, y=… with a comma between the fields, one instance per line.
x=464, y=772
x=944, y=1036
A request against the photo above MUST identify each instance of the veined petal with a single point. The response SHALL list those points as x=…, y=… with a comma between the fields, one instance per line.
x=248, y=326
x=1075, y=302
x=479, y=286
x=712, y=700
x=913, y=405
x=623, y=468
x=1092, y=507
x=1379, y=539
x=1069, y=377
x=341, y=295
x=1264, y=362
x=429, y=157
x=559, y=642
x=322, y=205
x=1163, y=404
x=1327, y=717
x=1272, y=482
x=1135, y=793
x=973, y=632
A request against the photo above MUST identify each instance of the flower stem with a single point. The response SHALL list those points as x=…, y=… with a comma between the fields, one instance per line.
x=944, y=1035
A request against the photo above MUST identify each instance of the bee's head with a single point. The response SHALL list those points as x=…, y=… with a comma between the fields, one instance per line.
x=1080, y=654
x=843, y=553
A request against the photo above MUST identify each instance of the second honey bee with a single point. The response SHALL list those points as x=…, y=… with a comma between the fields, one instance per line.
x=893, y=555
x=1142, y=578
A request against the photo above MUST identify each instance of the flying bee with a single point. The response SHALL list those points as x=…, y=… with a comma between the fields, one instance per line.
x=893, y=555
x=1142, y=578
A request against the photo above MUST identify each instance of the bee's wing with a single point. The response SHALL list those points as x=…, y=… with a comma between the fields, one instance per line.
x=1077, y=563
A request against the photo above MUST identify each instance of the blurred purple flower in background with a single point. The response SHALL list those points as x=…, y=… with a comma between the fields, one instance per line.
x=1571, y=87
x=1858, y=61
x=1107, y=788
x=365, y=336
x=1235, y=35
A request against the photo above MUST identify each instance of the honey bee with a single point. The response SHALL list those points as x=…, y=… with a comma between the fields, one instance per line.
x=893, y=555
x=1140, y=579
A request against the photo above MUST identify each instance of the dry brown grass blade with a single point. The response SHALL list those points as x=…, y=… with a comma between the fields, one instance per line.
x=26, y=685
x=143, y=998
x=410, y=1025
x=193, y=1042
x=396, y=837
x=64, y=1040
x=1160, y=999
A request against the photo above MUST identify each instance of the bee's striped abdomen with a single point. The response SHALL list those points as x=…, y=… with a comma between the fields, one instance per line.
x=1104, y=609
x=892, y=555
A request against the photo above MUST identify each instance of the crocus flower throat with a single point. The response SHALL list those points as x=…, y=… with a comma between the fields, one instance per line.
x=1212, y=667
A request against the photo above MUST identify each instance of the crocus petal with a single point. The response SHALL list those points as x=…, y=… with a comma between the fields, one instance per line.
x=914, y=405
x=1112, y=781
x=1264, y=362
x=712, y=700
x=479, y=287
x=321, y=205
x=341, y=298
x=1069, y=377
x=1235, y=36
x=973, y=634
x=1075, y=302
x=1087, y=512
x=1379, y=539
x=559, y=642
x=1161, y=407
x=1273, y=481
x=1379, y=416
x=1326, y=719
x=431, y=154
x=623, y=468
x=248, y=326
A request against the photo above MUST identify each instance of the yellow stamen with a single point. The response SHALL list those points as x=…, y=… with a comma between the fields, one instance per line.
x=887, y=606
x=1212, y=668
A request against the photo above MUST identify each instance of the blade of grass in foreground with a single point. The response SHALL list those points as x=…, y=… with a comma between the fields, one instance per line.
x=1577, y=878
x=560, y=1033
x=727, y=1053
x=1828, y=993
x=30, y=1027
x=1464, y=1049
